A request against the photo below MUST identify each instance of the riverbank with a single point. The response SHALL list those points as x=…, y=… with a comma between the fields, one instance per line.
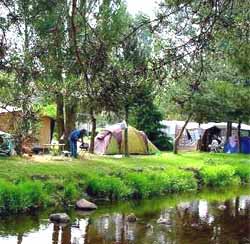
x=29, y=184
x=197, y=214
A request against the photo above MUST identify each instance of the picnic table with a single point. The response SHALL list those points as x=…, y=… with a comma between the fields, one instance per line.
x=53, y=146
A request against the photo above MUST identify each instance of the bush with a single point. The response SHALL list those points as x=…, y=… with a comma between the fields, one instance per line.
x=164, y=142
x=243, y=171
x=147, y=184
x=32, y=194
x=15, y=198
x=140, y=185
x=219, y=175
x=179, y=180
x=70, y=193
x=107, y=186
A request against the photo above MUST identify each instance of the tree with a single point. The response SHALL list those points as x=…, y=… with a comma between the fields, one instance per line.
x=101, y=26
x=146, y=117
x=20, y=70
x=130, y=73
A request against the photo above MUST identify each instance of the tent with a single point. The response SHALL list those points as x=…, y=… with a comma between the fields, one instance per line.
x=111, y=141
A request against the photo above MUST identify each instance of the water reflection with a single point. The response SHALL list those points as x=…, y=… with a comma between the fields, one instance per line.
x=196, y=220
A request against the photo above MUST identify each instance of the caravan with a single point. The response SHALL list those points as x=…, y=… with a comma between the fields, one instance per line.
x=6, y=144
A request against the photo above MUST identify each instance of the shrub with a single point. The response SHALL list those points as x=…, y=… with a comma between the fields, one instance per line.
x=219, y=175
x=179, y=180
x=70, y=193
x=15, y=198
x=107, y=186
x=243, y=171
x=139, y=183
x=146, y=184
x=32, y=194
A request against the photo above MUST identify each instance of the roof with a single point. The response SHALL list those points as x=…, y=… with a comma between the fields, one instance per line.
x=11, y=109
x=223, y=125
x=190, y=125
x=8, y=109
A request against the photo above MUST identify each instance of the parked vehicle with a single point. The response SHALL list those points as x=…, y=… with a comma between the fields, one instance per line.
x=6, y=144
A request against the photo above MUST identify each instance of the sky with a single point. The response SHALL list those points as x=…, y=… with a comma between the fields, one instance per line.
x=146, y=6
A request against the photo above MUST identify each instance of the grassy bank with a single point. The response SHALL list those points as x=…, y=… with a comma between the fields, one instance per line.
x=27, y=184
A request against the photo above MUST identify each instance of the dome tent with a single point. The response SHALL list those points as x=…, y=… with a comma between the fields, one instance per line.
x=111, y=141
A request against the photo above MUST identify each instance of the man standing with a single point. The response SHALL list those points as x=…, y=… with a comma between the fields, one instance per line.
x=74, y=136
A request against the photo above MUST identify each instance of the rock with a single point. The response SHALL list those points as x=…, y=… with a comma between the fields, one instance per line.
x=131, y=218
x=162, y=221
x=59, y=218
x=85, y=205
x=222, y=207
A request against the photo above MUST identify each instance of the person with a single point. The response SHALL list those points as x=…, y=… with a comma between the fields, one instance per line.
x=74, y=136
x=214, y=145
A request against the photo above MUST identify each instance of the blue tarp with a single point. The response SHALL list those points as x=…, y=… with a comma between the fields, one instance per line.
x=245, y=144
x=232, y=145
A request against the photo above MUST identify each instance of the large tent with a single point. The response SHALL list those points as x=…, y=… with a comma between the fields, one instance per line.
x=195, y=132
x=111, y=141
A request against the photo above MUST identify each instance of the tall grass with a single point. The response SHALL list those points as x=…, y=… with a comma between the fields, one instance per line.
x=107, y=186
x=20, y=197
x=26, y=185
x=140, y=185
x=219, y=175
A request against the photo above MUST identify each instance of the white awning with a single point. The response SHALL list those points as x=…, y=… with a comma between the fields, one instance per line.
x=9, y=109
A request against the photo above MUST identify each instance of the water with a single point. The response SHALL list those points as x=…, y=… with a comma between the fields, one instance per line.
x=221, y=217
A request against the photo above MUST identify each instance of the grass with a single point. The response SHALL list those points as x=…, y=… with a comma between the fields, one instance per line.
x=27, y=184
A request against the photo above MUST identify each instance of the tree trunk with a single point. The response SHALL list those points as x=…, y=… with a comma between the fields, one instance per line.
x=66, y=234
x=238, y=132
x=93, y=132
x=177, y=139
x=126, y=133
x=59, y=116
x=237, y=206
x=229, y=130
x=70, y=123
x=19, y=238
x=55, y=235
x=199, y=142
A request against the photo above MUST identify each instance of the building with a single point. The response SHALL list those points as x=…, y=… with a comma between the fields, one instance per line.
x=9, y=118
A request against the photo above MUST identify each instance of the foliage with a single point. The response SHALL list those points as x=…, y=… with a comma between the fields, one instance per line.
x=107, y=186
x=145, y=116
x=48, y=110
x=218, y=175
x=54, y=183
x=148, y=184
x=243, y=171
x=70, y=193
x=19, y=197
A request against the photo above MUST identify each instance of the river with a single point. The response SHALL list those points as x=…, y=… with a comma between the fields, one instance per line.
x=217, y=217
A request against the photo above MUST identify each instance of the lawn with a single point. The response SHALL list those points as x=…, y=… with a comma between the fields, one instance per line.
x=27, y=183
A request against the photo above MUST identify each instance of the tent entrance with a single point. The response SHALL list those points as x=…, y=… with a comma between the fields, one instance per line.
x=208, y=136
